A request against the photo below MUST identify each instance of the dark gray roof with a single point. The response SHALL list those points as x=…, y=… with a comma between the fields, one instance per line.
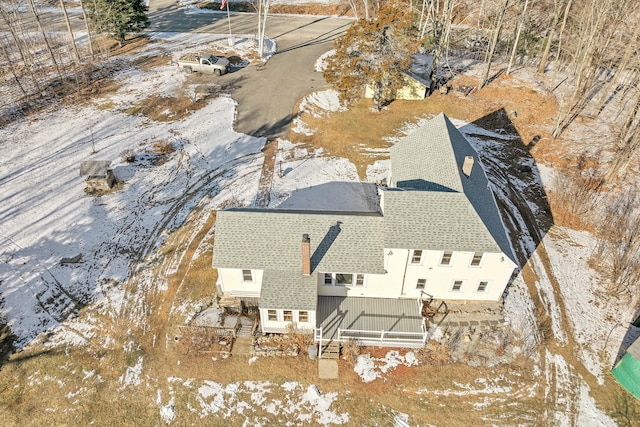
x=431, y=159
x=270, y=239
x=434, y=220
x=94, y=168
x=288, y=290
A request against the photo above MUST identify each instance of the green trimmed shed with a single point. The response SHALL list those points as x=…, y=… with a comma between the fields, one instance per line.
x=627, y=370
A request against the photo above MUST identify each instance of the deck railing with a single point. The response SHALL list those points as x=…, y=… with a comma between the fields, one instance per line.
x=317, y=337
x=388, y=336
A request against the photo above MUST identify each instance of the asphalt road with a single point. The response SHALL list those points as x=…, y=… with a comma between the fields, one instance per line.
x=266, y=95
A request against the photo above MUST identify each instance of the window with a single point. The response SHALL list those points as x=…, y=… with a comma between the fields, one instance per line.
x=482, y=286
x=421, y=283
x=457, y=286
x=272, y=315
x=328, y=279
x=303, y=316
x=288, y=315
x=344, y=279
x=247, y=276
x=416, y=258
x=446, y=258
x=477, y=257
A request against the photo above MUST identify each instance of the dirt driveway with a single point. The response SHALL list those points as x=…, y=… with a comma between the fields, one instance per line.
x=266, y=95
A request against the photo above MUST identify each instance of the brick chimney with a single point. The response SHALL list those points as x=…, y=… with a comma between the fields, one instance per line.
x=306, y=255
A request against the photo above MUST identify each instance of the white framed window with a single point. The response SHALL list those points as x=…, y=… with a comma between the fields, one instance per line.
x=343, y=279
x=482, y=286
x=416, y=256
x=247, y=276
x=303, y=316
x=421, y=283
x=446, y=258
x=477, y=259
x=457, y=286
x=272, y=315
x=328, y=279
x=287, y=315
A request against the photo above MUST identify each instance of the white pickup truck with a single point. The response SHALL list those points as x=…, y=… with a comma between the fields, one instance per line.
x=205, y=64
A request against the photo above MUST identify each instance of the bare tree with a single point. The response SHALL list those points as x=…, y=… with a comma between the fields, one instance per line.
x=263, y=11
x=73, y=39
x=515, y=43
x=494, y=42
x=34, y=11
x=628, y=139
x=437, y=21
x=598, y=23
x=86, y=24
x=618, y=246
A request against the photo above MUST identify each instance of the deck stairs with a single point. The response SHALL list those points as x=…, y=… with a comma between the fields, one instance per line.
x=245, y=330
x=331, y=350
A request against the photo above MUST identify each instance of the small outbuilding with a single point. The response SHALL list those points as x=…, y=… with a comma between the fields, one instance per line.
x=99, y=176
x=627, y=370
x=416, y=80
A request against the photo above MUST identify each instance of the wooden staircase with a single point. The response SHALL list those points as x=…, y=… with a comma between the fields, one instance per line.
x=244, y=331
x=331, y=350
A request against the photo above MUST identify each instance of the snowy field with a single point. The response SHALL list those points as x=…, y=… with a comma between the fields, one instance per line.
x=45, y=215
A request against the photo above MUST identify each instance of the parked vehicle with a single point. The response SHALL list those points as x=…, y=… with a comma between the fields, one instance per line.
x=206, y=64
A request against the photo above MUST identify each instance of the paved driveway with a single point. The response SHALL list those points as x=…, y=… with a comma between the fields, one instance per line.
x=266, y=95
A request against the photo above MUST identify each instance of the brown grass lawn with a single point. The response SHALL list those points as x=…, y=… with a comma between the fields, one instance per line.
x=352, y=133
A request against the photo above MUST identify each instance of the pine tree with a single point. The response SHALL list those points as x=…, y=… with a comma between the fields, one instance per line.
x=118, y=17
x=373, y=52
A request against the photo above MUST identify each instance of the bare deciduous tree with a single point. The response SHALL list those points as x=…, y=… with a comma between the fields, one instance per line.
x=494, y=42
x=619, y=244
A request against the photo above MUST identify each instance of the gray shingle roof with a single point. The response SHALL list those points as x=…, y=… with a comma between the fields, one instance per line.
x=431, y=159
x=288, y=290
x=270, y=239
x=425, y=159
x=434, y=220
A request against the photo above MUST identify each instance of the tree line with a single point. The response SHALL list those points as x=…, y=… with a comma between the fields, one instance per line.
x=43, y=62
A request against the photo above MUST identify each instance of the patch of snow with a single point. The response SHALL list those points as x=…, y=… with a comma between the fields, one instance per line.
x=318, y=104
x=131, y=377
x=168, y=412
x=321, y=62
x=308, y=407
x=592, y=318
x=252, y=360
x=369, y=368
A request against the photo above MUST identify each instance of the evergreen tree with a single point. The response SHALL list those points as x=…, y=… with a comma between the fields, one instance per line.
x=373, y=52
x=118, y=17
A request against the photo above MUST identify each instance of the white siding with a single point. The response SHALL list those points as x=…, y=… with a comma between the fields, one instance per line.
x=280, y=326
x=402, y=277
x=231, y=280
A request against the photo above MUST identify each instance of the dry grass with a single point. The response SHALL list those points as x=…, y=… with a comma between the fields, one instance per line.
x=350, y=134
x=350, y=352
x=167, y=108
x=146, y=63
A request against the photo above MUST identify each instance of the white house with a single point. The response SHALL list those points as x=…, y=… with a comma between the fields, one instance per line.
x=436, y=233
